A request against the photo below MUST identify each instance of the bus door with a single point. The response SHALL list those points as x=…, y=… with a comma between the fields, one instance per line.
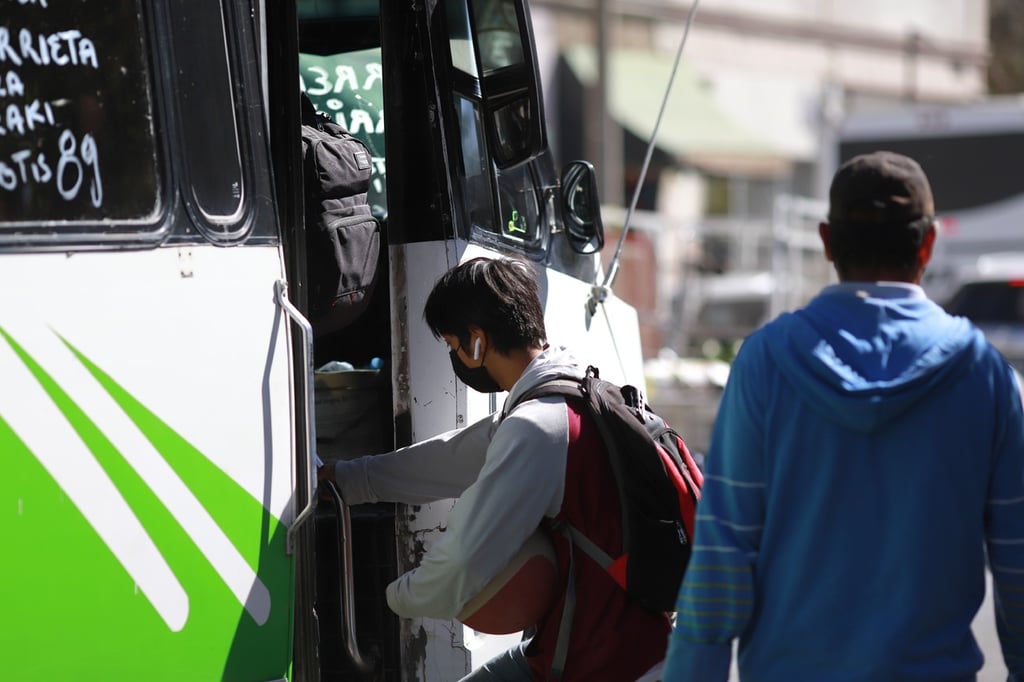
x=447, y=98
x=506, y=198
x=146, y=384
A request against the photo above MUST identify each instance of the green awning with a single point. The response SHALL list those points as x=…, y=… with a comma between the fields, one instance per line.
x=694, y=127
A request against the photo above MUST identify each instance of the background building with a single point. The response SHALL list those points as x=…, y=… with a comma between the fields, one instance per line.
x=747, y=143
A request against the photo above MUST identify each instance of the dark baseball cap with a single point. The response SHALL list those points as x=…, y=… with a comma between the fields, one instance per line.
x=882, y=189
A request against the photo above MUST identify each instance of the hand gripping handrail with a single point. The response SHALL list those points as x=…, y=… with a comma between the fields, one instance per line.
x=362, y=664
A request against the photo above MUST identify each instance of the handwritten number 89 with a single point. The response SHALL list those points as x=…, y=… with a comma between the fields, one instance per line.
x=71, y=168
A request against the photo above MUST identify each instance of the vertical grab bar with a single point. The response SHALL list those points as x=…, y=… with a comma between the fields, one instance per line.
x=363, y=664
x=307, y=468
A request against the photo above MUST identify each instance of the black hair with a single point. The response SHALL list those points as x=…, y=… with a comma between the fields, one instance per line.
x=872, y=247
x=499, y=296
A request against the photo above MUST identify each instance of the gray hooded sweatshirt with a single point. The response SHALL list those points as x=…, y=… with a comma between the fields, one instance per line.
x=507, y=476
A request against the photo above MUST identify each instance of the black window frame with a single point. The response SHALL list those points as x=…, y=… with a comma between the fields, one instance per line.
x=256, y=188
x=176, y=217
x=117, y=232
x=467, y=86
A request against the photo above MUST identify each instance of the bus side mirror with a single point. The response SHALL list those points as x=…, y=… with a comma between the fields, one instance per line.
x=581, y=208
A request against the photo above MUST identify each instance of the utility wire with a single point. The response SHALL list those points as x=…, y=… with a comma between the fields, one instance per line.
x=599, y=293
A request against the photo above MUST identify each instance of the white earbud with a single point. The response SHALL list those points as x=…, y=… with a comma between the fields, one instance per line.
x=476, y=349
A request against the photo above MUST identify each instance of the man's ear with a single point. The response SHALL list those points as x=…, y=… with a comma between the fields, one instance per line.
x=924, y=252
x=823, y=232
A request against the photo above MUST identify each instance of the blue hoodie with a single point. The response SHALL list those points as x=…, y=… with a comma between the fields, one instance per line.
x=868, y=452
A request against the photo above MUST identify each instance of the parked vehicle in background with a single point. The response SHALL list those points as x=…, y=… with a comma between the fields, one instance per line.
x=992, y=297
x=729, y=307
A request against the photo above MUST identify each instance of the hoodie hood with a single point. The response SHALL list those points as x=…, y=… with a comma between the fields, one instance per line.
x=553, y=363
x=863, y=353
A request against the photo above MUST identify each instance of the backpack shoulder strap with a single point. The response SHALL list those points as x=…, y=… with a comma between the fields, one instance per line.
x=573, y=387
x=567, y=386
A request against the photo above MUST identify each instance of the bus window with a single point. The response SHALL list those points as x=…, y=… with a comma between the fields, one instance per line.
x=204, y=94
x=488, y=43
x=476, y=177
x=498, y=34
x=519, y=206
x=495, y=108
x=460, y=38
x=75, y=100
x=348, y=87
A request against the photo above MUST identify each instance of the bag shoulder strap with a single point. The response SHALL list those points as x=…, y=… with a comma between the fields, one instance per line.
x=567, y=386
x=571, y=387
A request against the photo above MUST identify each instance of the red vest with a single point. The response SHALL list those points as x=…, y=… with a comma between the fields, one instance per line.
x=613, y=639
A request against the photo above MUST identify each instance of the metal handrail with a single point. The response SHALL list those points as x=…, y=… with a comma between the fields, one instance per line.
x=281, y=296
x=363, y=664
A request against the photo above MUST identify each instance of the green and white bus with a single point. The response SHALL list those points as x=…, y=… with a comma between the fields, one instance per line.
x=160, y=412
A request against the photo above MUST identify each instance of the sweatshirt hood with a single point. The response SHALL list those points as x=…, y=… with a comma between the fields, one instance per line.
x=554, y=362
x=863, y=353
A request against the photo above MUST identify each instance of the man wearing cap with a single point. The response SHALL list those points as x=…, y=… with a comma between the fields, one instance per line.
x=867, y=459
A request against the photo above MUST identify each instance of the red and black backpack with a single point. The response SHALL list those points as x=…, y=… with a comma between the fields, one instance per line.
x=659, y=486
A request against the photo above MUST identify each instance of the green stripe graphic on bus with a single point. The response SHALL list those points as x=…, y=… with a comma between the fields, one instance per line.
x=59, y=570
